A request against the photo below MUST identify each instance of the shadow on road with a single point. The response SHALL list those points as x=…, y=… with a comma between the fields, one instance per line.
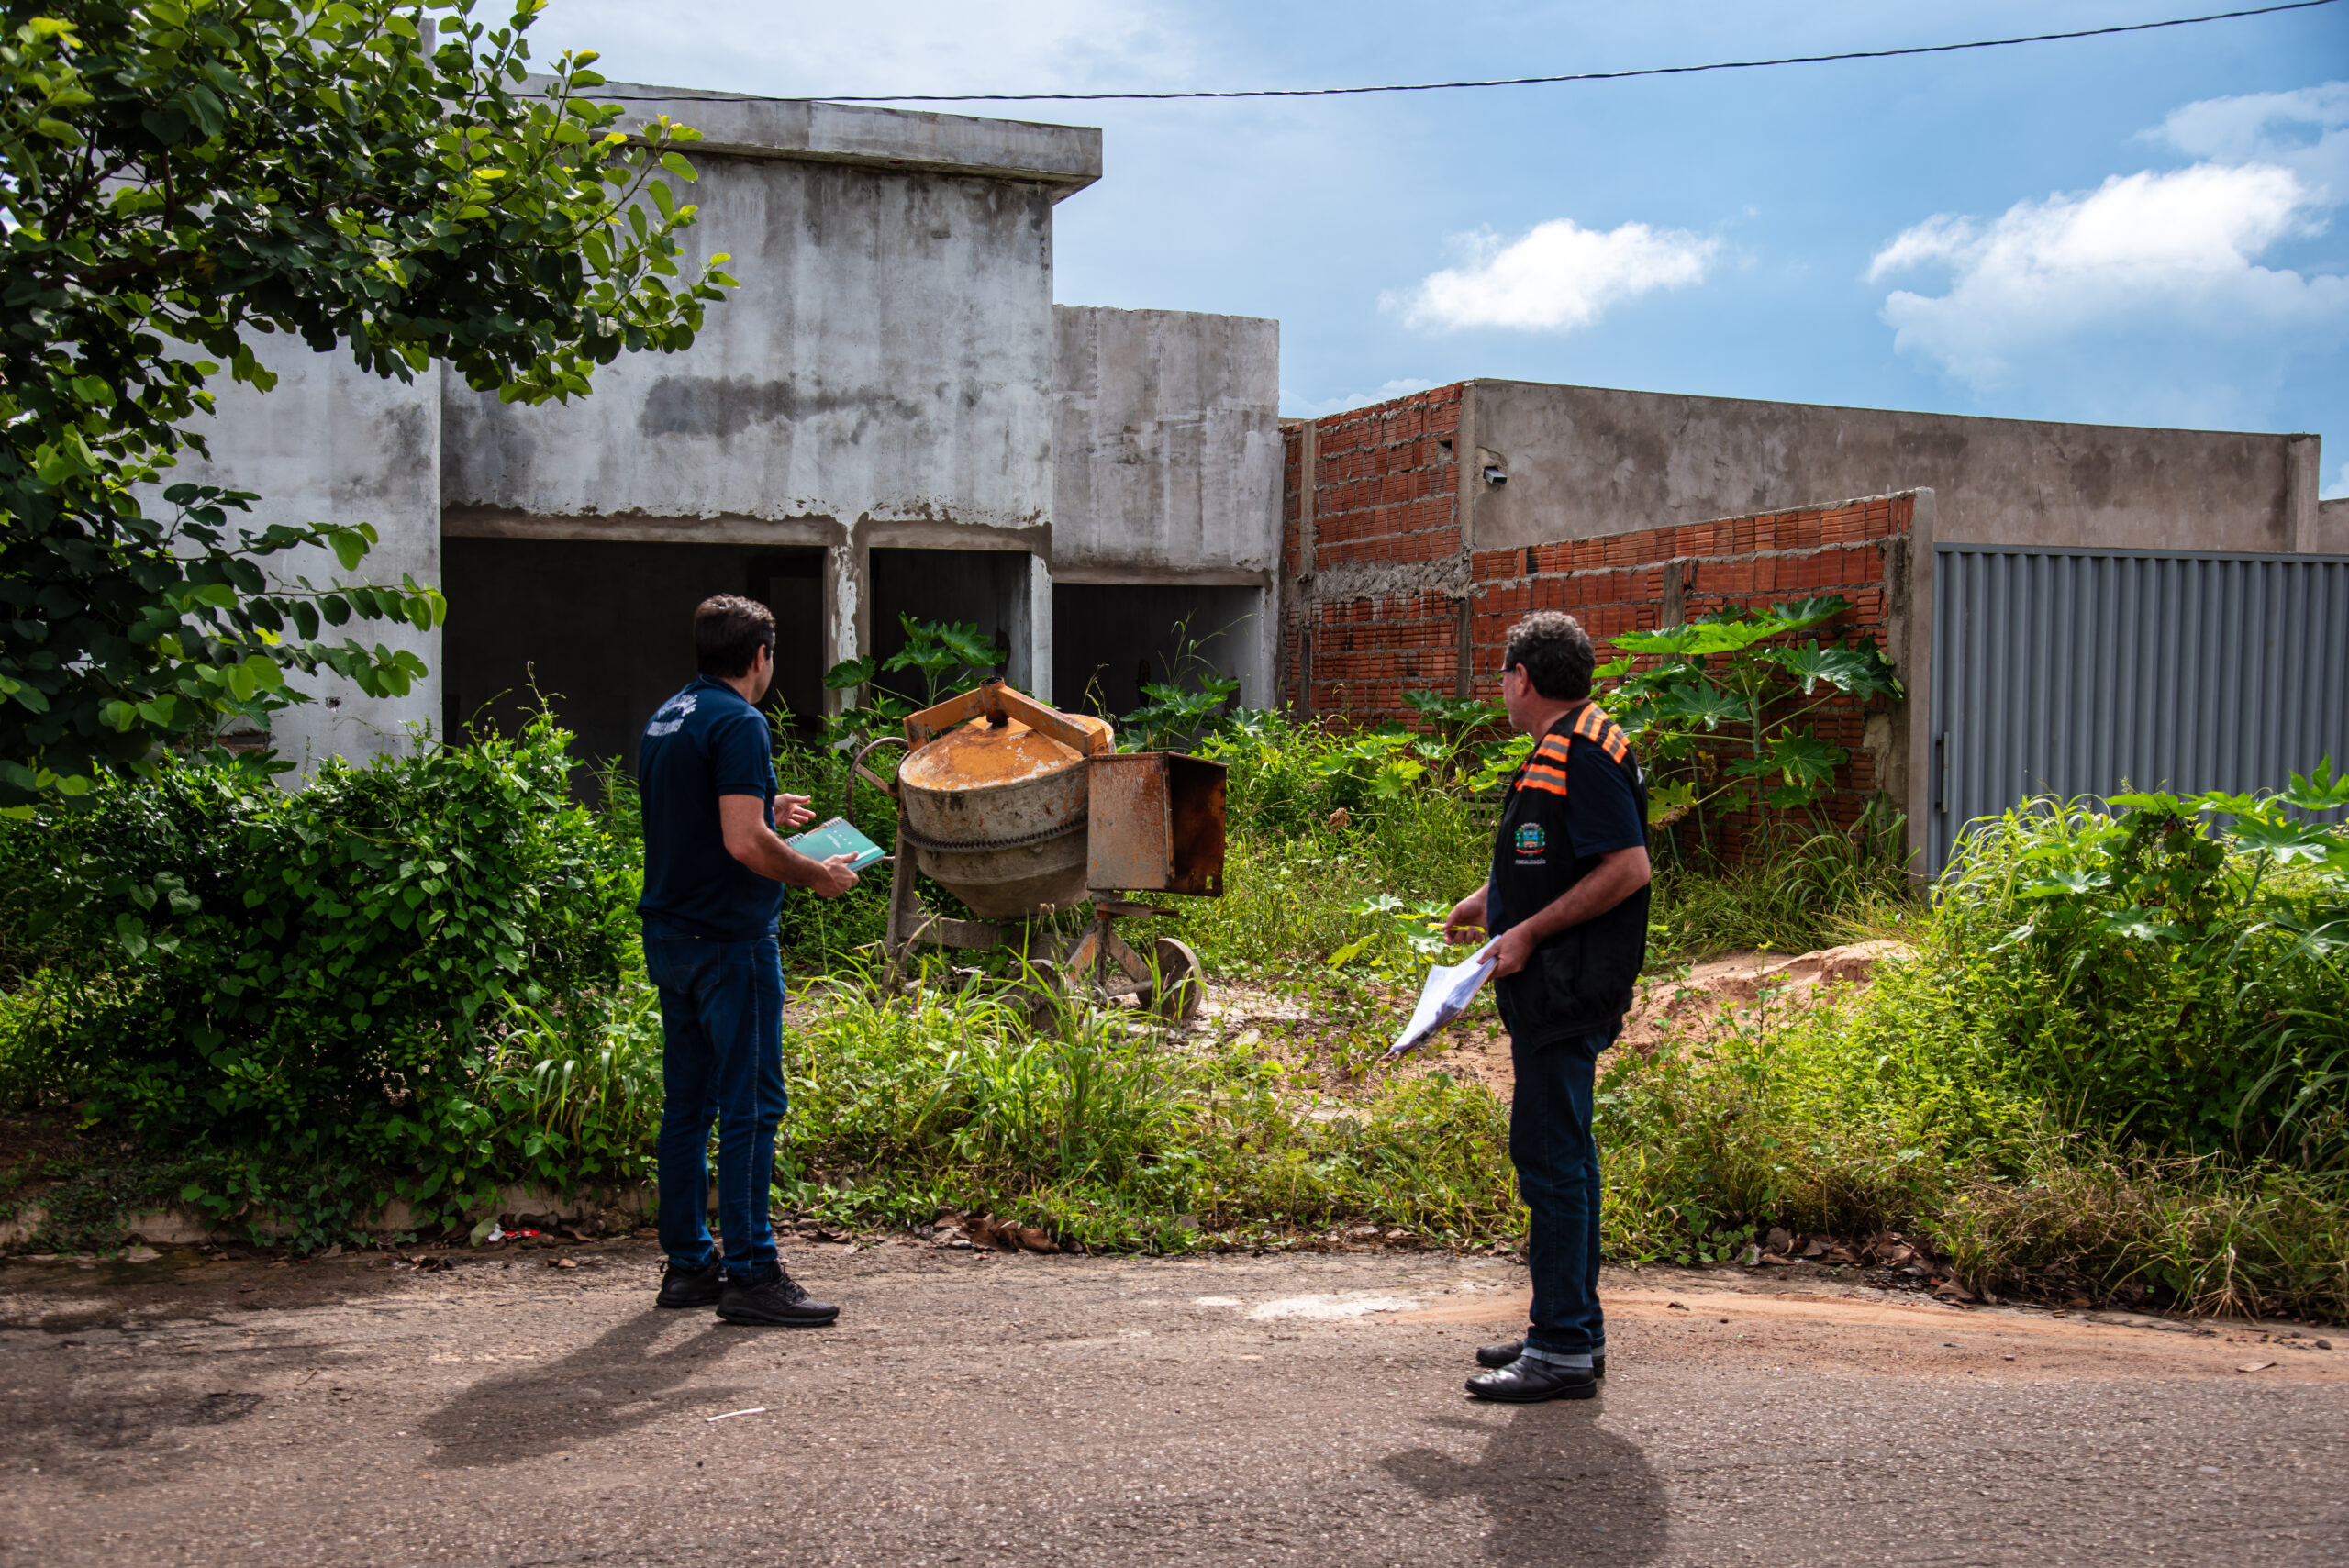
x=1557, y=1486
x=601, y=1390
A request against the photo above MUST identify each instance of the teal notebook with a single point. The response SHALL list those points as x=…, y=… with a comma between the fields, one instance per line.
x=836, y=838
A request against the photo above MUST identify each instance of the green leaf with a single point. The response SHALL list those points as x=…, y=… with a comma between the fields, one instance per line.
x=1697, y=638
x=1846, y=669
x=2158, y=803
x=2138, y=926
x=350, y=547
x=1805, y=759
x=1804, y=614
x=1705, y=705
x=2320, y=790
x=2287, y=840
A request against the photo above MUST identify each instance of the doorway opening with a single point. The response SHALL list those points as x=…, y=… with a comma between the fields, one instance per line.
x=1109, y=640
x=602, y=631
x=985, y=588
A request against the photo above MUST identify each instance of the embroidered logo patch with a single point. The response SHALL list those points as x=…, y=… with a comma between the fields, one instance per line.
x=1531, y=840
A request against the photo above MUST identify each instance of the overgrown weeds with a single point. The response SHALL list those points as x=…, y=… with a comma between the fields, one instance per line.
x=2118, y=1058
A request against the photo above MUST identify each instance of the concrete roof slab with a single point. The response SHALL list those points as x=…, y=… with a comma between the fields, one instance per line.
x=1065, y=157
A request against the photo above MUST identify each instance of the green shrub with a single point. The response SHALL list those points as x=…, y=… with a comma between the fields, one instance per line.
x=2161, y=977
x=1895, y=1111
x=317, y=977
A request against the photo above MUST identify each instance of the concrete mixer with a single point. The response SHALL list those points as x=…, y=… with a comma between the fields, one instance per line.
x=1021, y=811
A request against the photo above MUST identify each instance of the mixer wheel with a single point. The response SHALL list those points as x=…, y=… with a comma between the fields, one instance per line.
x=1182, y=991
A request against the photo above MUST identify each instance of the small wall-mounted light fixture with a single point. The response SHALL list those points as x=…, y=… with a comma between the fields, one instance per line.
x=1496, y=474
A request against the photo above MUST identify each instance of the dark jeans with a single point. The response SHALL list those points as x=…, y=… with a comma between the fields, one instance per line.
x=721, y=1016
x=1557, y=1174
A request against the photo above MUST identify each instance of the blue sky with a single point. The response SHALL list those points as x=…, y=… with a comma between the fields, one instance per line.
x=2146, y=230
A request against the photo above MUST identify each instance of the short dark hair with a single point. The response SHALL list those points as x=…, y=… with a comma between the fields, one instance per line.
x=1556, y=653
x=728, y=632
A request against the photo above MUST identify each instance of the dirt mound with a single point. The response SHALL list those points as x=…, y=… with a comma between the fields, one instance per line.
x=1721, y=992
x=1711, y=998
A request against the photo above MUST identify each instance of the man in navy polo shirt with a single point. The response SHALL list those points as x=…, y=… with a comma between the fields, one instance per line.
x=1567, y=898
x=714, y=874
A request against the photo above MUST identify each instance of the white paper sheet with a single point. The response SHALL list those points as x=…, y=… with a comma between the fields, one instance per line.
x=1447, y=991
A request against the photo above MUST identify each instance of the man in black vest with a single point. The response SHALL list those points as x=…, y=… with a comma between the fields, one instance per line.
x=1567, y=902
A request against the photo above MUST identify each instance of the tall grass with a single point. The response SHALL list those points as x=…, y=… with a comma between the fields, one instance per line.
x=2060, y=1091
x=1892, y=1113
x=1109, y=1133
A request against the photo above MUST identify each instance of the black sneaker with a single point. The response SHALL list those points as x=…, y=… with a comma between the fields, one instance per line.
x=1508, y=1350
x=690, y=1287
x=1529, y=1382
x=776, y=1301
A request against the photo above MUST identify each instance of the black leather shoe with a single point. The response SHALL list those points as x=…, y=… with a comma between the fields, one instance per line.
x=1508, y=1350
x=690, y=1287
x=1524, y=1382
x=775, y=1301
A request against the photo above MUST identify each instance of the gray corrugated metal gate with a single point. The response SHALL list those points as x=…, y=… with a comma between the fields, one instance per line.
x=2076, y=671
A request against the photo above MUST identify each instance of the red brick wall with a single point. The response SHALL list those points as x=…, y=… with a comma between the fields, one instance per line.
x=1623, y=582
x=1377, y=555
x=1380, y=584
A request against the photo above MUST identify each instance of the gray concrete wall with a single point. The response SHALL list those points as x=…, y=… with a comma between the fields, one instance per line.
x=2332, y=528
x=1167, y=469
x=332, y=443
x=882, y=378
x=1584, y=461
x=1167, y=445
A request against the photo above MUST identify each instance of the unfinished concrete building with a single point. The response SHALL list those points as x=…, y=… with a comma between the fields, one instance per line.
x=889, y=418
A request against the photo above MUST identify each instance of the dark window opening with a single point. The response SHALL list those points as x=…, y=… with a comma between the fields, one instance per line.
x=603, y=631
x=985, y=588
x=1111, y=639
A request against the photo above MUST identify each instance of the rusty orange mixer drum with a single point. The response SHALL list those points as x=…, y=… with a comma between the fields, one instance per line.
x=995, y=809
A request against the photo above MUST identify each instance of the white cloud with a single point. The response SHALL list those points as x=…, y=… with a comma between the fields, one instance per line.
x=2156, y=253
x=1557, y=277
x=2306, y=131
x=2339, y=489
x=1295, y=407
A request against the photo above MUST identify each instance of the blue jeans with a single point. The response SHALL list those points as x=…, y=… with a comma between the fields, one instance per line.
x=1557, y=1175
x=721, y=1020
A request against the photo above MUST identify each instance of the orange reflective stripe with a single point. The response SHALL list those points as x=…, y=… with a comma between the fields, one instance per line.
x=1616, y=746
x=1588, y=724
x=1538, y=775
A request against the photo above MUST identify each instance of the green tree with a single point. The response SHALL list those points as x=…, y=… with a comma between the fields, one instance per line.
x=181, y=176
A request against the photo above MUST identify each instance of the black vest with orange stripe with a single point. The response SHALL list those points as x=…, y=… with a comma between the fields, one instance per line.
x=1579, y=981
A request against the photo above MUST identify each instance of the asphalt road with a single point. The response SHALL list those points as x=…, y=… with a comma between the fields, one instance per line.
x=998, y=1409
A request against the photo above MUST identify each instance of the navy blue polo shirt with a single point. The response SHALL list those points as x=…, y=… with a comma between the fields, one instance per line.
x=704, y=743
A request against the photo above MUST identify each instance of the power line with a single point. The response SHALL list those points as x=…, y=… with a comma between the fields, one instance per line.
x=1447, y=86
